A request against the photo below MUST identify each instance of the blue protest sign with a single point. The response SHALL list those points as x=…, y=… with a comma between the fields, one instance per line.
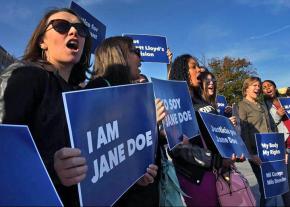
x=270, y=146
x=116, y=130
x=224, y=135
x=180, y=119
x=24, y=179
x=285, y=102
x=271, y=150
x=152, y=47
x=97, y=29
x=221, y=104
x=275, y=178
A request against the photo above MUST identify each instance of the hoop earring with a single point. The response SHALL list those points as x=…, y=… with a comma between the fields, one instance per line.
x=43, y=56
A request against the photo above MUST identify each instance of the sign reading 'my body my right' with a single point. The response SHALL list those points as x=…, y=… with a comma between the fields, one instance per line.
x=152, y=47
x=285, y=102
x=224, y=135
x=116, y=130
x=97, y=29
x=271, y=150
x=180, y=119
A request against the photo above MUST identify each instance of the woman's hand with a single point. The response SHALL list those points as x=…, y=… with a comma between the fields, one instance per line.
x=169, y=55
x=149, y=175
x=281, y=111
x=235, y=158
x=70, y=167
x=160, y=110
x=233, y=119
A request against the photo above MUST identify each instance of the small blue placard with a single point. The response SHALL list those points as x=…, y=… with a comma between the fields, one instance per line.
x=270, y=146
x=24, y=179
x=97, y=29
x=271, y=150
x=180, y=118
x=285, y=102
x=221, y=104
x=116, y=130
x=153, y=48
x=275, y=178
x=224, y=135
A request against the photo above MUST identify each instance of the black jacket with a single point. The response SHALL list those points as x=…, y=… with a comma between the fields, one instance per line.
x=193, y=160
x=33, y=97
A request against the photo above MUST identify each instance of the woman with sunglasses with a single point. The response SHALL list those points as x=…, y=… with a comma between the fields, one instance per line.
x=209, y=90
x=116, y=63
x=55, y=60
x=255, y=118
x=194, y=162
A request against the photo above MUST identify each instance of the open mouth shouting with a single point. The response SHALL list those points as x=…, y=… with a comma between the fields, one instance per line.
x=73, y=44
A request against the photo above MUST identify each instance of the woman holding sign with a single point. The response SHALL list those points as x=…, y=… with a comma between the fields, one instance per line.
x=255, y=119
x=55, y=60
x=194, y=160
x=116, y=63
x=278, y=114
x=209, y=90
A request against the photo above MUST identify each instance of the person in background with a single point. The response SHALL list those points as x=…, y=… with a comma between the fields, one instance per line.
x=116, y=63
x=282, y=122
x=169, y=65
x=255, y=118
x=55, y=61
x=288, y=92
x=209, y=90
x=194, y=162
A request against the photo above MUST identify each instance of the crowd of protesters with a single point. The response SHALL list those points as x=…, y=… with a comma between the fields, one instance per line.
x=56, y=60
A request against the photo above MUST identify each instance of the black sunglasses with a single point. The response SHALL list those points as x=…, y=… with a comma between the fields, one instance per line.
x=136, y=51
x=208, y=80
x=63, y=26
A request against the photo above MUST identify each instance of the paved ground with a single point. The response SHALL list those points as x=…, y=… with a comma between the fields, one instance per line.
x=246, y=170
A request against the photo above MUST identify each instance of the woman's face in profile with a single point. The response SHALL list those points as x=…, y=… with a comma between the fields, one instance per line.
x=194, y=72
x=134, y=62
x=62, y=48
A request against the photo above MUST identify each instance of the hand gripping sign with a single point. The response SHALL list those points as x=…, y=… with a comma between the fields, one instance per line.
x=116, y=130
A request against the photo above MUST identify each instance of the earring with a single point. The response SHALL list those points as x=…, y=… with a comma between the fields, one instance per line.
x=43, y=56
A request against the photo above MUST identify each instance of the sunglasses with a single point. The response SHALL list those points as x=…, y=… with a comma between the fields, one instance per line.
x=136, y=51
x=63, y=26
x=211, y=80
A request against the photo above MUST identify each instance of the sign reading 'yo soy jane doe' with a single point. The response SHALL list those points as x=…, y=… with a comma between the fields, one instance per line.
x=180, y=117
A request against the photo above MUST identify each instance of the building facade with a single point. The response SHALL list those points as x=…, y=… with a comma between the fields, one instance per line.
x=5, y=58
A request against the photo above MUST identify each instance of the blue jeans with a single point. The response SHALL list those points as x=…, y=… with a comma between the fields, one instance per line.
x=263, y=202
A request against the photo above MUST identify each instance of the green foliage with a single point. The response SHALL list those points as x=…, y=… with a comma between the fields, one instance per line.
x=230, y=74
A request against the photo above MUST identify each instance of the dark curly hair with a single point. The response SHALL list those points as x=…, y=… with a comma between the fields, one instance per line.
x=180, y=71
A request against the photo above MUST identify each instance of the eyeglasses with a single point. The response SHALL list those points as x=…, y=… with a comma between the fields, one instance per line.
x=136, y=51
x=211, y=79
x=63, y=26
